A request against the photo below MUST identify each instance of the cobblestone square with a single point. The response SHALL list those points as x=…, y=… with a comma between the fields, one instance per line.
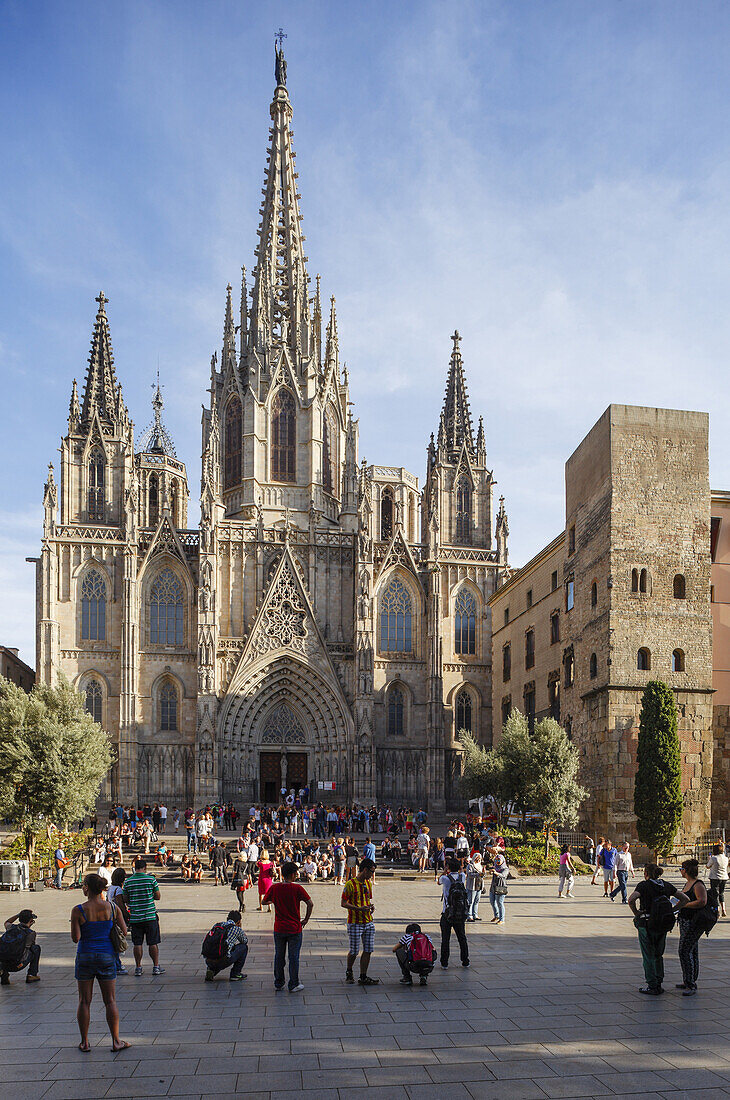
x=548, y=1008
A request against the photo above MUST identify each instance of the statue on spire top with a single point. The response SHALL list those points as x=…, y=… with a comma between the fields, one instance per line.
x=280, y=66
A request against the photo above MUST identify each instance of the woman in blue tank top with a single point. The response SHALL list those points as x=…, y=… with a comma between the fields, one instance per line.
x=91, y=925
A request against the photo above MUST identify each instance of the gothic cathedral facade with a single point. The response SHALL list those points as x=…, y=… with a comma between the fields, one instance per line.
x=327, y=623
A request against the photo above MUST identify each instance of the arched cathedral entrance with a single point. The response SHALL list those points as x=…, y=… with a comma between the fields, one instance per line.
x=282, y=766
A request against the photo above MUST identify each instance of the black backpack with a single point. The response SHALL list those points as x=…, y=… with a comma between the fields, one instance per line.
x=707, y=918
x=215, y=944
x=12, y=946
x=457, y=902
x=661, y=917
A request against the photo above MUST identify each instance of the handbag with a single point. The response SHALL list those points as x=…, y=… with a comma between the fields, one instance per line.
x=499, y=886
x=118, y=939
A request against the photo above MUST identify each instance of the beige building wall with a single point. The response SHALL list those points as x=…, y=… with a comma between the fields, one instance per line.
x=720, y=604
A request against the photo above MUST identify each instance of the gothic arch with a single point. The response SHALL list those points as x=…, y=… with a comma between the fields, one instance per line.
x=155, y=566
x=413, y=591
x=473, y=590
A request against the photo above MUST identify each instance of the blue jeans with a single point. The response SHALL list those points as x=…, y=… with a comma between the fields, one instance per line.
x=623, y=878
x=473, y=904
x=59, y=877
x=235, y=960
x=192, y=842
x=497, y=901
x=293, y=942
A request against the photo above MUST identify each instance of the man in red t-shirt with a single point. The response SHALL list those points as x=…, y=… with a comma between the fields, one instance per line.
x=286, y=897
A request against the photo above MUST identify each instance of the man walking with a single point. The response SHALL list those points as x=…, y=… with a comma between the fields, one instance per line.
x=236, y=951
x=357, y=899
x=18, y=948
x=140, y=892
x=220, y=861
x=607, y=860
x=190, y=831
x=453, y=912
x=286, y=897
x=624, y=868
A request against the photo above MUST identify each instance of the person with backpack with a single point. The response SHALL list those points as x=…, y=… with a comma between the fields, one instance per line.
x=416, y=954
x=226, y=945
x=693, y=922
x=654, y=903
x=498, y=887
x=18, y=948
x=453, y=913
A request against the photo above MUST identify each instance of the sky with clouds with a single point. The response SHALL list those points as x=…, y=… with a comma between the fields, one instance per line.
x=551, y=179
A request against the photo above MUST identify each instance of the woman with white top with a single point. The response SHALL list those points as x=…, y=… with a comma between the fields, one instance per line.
x=498, y=889
x=474, y=883
x=718, y=867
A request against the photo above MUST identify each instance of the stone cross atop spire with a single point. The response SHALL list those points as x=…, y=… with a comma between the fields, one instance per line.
x=455, y=427
x=155, y=439
x=280, y=308
x=101, y=386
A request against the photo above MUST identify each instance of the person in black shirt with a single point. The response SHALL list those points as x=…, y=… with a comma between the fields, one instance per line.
x=652, y=943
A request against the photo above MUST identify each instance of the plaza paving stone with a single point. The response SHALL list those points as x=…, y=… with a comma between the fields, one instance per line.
x=549, y=1008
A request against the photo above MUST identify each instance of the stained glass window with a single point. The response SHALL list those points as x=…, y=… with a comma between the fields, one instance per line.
x=395, y=712
x=463, y=712
x=232, y=467
x=463, y=511
x=97, y=469
x=465, y=613
x=168, y=707
x=93, y=607
x=93, y=701
x=166, y=610
x=283, y=436
x=395, y=618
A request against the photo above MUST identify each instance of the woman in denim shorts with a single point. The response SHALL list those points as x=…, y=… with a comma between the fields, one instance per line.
x=91, y=925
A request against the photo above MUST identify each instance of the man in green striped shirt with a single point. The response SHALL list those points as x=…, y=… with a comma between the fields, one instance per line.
x=140, y=892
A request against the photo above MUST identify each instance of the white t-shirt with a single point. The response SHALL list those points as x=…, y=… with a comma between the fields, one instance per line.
x=423, y=841
x=462, y=844
x=106, y=874
x=163, y=813
x=310, y=867
x=253, y=852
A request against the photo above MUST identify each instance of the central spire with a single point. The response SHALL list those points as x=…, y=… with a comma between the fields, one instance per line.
x=101, y=387
x=455, y=428
x=280, y=311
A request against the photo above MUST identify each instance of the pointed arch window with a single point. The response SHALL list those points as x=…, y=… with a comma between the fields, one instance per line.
x=386, y=514
x=166, y=610
x=97, y=475
x=395, y=618
x=93, y=700
x=283, y=436
x=463, y=511
x=168, y=707
x=465, y=617
x=464, y=712
x=153, y=497
x=174, y=503
x=396, y=706
x=329, y=465
x=93, y=607
x=233, y=435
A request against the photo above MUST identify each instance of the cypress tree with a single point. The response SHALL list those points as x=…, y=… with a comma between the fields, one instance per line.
x=657, y=787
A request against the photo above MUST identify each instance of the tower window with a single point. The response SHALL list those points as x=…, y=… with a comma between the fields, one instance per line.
x=395, y=712
x=634, y=580
x=93, y=607
x=283, y=436
x=643, y=580
x=97, y=469
x=395, y=618
x=153, y=497
x=168, y=707
x=386, y=514
x=329, y=479
x=233, y=437
x=463, y=712
x=680, y=587
x=643, y=660
x=93, y=700
x=594, y=595
x=593, y=668
x=463, y=512
x=174, y=504
x=465, y=610
x=678, y=660
x=166, y=610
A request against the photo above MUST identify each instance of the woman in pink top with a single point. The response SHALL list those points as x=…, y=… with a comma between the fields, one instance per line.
x=566, y=874
x=266, y=877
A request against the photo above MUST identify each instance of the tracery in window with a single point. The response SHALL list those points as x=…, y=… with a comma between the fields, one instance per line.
x=396, y=704
x=283, y=436
x=153, y=496
x=168, y=707
x=93, y=700
x=329, y=476
x=463, y=712
x=386, y=514
x=97, y=471
x=233, y=435
x=395, y=618
x=465, y=612
x=93, y=607
x=166, y=610
x=283, y=727
x=463, y=511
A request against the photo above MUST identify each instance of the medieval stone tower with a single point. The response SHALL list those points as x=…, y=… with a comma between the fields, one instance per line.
x=327, y=622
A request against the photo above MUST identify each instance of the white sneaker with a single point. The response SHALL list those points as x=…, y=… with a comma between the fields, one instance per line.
x=297, y=988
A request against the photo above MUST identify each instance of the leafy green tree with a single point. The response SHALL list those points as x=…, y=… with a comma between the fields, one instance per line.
x=484, y=775
x=53, y=757
x=553, y=789
x=515, y=750
x=658, y=782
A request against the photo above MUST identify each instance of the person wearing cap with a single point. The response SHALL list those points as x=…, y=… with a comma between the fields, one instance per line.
x=30, y=955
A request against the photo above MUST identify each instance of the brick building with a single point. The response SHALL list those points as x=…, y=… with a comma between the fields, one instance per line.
x=12, y=668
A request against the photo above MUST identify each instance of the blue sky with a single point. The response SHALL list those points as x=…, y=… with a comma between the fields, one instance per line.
x=550, y=178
